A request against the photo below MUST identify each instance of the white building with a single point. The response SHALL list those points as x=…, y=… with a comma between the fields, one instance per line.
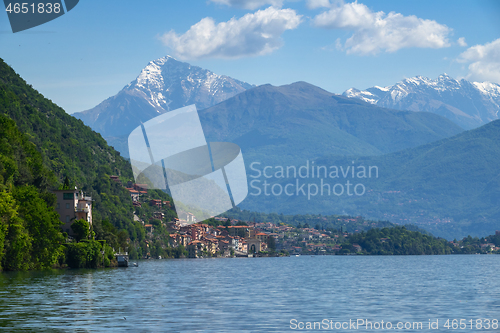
x=73, y=205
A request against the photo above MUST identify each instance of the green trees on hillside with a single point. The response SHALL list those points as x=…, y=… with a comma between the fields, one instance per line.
x=81, y=229
x=397, y=241
x=30, y=236
x=41, y=146
x=68, y=149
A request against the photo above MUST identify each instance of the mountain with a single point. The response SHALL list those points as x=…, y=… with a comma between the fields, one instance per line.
x=296, y=122
x=449, y=187
x=68, y=148
x=468, y=104
x=164, y=84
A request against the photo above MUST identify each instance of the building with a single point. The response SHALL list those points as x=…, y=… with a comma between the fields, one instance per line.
x=73, y=205
x=261, y=236
x=186, y=217
x=115, y=179
x=158, y=215
x=254, y=245
x=141, y=187
x=155, y=202
x=134, y=194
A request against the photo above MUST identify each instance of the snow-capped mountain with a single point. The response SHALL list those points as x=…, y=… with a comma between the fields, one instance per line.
x=468, y=104
x=164, y=84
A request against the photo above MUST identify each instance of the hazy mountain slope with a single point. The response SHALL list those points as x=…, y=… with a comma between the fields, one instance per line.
x=468, y=104
x=450, y=187
x=300, y=121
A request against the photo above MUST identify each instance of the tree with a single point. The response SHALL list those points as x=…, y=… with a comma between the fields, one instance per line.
x=81, y=229
x=7, y=212
x=66, y=185
x=43, y=226
x=271, y=243
x=16, y=238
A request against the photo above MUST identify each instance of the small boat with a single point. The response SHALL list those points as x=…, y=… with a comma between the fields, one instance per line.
x=135, y=264
x=122, y=260
x=297, y=255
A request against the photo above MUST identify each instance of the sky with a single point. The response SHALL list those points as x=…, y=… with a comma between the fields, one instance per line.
x=90, y=53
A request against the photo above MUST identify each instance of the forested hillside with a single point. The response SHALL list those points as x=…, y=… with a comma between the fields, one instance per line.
x=68, y=147
x=41, y=146
x=30, y=234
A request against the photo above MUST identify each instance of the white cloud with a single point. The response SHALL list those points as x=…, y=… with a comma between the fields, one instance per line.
x=484, y=62
x=313, y=4
x=253, y=34
x=376, y=31
x=249, y=4
x=461, y=42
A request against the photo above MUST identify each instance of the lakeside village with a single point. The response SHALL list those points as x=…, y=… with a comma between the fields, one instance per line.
x=168, y=235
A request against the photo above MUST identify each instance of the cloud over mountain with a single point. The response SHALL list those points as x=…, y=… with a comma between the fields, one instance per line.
x=374, y=32
x=484, y=61
x=251, y=35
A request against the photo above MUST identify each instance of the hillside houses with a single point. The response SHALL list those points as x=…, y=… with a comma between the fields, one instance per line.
x=204, y=240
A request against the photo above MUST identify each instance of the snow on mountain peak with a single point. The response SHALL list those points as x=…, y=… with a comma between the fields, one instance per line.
x=166, y=80
x=468, y=104
x=383, y=88
x=487, y=88
x=164, y=84
x=363, y=95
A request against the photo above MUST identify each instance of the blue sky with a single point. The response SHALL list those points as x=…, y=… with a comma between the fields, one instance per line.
x=93, y=51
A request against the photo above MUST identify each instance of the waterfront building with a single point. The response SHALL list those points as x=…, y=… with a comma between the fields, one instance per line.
x=73, y=205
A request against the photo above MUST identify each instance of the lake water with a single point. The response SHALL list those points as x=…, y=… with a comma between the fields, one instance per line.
x=258, y=295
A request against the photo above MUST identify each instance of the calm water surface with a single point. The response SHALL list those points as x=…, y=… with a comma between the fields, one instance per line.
x=255, y=294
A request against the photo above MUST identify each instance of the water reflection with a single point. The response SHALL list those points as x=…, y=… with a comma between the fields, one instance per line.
x=259, y=294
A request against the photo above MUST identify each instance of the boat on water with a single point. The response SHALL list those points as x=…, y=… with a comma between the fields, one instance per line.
x=122, y=260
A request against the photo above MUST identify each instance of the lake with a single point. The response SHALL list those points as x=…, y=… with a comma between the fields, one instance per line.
x=260, y=295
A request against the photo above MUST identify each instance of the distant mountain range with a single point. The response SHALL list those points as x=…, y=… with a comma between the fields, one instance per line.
x=468, y=104
x=300, y=115
x=164, y=84
x=431, y=172
x=296, y=122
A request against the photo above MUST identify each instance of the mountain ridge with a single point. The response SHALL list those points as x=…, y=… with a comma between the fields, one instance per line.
x=164, y=84
x=450, y=187
x=468, y=104
x=303, y=117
